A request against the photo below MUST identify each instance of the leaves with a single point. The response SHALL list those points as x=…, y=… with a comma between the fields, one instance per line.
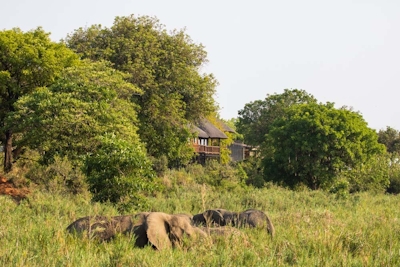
x=65, y=119
x=166, y=67
x=256, y=117
x=313, y=143
x=27, y=61
x=119, y=172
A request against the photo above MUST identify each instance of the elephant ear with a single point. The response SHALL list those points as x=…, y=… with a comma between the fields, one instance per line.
x=214, y=216
x=158, y=229
x=139, y=229
x=180, y=225
x=199, y=219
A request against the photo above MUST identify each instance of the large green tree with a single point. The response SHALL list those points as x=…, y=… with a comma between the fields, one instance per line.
x=314, y=143
x=27, y=60
x=167, y=67
x=67, y=118
x=255, y=119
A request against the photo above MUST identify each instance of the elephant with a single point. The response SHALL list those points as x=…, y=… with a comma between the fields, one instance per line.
x=105, y=228
x=209, y=218
x=249, y=218
x=216, y=217
x=160, y=230
x=257, y=219
x=164, y=230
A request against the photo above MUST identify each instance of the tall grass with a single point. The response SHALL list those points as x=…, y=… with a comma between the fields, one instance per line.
x=313, y=228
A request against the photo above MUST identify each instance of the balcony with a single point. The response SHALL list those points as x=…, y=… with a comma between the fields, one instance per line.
x=211, y=150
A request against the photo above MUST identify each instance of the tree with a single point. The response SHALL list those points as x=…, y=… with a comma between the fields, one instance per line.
x=256, y=118
x=166, y=66
x=314, y=143
x=27, y=61
x=67, y=118
x=391, y=139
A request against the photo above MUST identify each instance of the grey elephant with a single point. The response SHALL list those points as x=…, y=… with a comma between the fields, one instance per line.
x=216, y=217
x=221, y=217
x=161, y=230
x=164, y=230
x=105, y=228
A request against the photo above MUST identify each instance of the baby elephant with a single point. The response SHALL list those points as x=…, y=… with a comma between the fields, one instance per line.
x=248, y=218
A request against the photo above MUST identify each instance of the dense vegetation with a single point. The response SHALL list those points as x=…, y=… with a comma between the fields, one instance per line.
x=312, y=229
x=305, y=143
x=100, y=123
x=166, y=66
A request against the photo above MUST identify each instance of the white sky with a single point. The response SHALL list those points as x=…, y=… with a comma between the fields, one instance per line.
x=342, y=51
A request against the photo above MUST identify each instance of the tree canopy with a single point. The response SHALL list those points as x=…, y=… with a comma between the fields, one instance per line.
x=27, y=60
x=314, y=143
x=390, y=137
x=66, y=118
x=167, y=67
x=255, y=119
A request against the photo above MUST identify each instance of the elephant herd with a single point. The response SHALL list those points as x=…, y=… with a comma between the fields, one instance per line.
x=162, y=230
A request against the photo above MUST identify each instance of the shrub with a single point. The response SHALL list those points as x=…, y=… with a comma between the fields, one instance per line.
x=120, y=172
x=217, y=174
x=394, y=175
x=60, y=176
x=252, y=169
x=371, y=176
x=160, y=165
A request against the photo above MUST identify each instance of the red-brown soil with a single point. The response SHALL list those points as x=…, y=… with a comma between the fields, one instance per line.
x=9, y=188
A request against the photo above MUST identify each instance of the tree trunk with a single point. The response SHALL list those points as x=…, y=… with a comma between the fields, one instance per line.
x=8, y=151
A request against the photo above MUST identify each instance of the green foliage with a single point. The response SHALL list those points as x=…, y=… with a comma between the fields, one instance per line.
x=255, y=119
x=221, y=175
x=253, y=169
x=27, y=61
x=120, y=172
x=225, y=152
x=394, y=174
x=341, y=188
x=391, y=139
x=166, y=66
x=62, y=176
x=314, y=143
x=65, y=118
x=373, y=175
x=160, y=165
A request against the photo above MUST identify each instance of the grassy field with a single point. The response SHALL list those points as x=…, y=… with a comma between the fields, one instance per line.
x=313, y=228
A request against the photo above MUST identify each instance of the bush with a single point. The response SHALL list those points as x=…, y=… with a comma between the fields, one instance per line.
x=394, y=175
x=120, y=172
x=252, y=169
x=160, y=165
x=341, y=189
x=62, y=176
x=216, y=174
x=371, y=176
x=394, y=186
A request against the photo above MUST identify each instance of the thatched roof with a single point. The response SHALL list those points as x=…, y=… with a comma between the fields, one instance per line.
x=211, y=130
x=226, y=127
x=200, y=132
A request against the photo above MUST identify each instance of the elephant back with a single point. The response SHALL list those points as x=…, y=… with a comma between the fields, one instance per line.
x=231, y=218
x=257, y=219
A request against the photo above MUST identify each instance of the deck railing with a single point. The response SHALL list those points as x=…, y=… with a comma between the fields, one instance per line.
x=206, y=149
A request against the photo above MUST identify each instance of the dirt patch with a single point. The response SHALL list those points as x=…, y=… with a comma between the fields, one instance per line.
x=9, y=188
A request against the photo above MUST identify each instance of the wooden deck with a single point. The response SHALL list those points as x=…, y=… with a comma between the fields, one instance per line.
x=213, y=150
